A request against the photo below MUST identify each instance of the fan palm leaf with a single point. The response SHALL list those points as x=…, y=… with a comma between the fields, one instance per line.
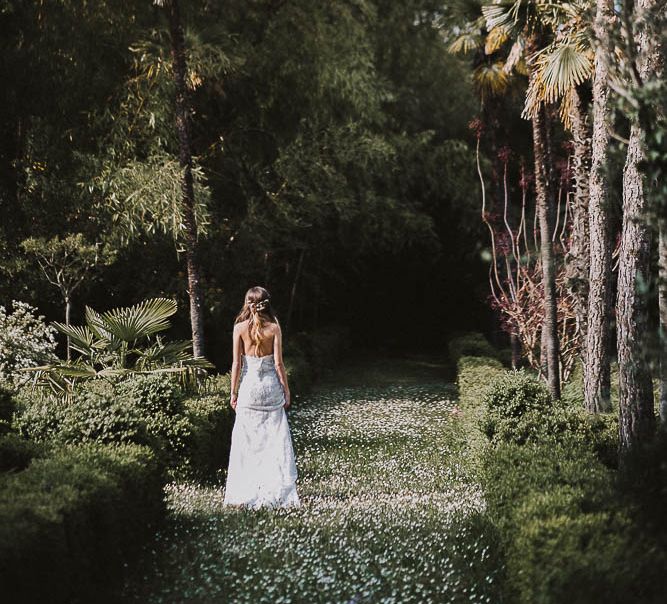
x=558, y=69
x=162, y=354
x=490, y=79
x=82, y=339
x=495, y=40
x=136, y=322
x=465, y=42
x=564, y=67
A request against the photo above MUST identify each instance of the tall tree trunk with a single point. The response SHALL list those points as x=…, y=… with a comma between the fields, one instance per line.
x=636, y=421
x=636, y=404
x=662, y=301
x=577, y=259
x=187, y=184
x=544, y=192
x=596, y=367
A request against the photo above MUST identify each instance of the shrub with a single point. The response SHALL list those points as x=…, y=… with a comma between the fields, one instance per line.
x=91, y=416
x=16, y=453
x=143, y=409
x=159, y=402
x=475, y=376
x=512, y=471
x=568, y=534
x=518, y=408
x=471, y=345
x=25, y=341
x=69, y=521
x=300, y=374
x=317, y=349
x=211, y=421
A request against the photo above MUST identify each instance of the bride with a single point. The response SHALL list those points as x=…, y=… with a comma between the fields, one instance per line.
x=262, y=470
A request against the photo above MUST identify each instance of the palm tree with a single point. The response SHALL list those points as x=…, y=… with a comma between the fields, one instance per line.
x=520, y=21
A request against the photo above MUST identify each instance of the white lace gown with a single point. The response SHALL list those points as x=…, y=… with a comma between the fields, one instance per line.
x=262, y=469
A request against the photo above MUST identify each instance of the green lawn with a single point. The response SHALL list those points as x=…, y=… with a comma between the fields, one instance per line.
x=390, y=512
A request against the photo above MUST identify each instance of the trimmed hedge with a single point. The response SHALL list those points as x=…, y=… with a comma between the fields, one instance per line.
x=210, y=419
x=569, y=534
x=69, y=521
x=471, y=344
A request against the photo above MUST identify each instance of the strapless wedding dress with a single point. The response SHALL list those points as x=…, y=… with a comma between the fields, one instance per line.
x=262, y=470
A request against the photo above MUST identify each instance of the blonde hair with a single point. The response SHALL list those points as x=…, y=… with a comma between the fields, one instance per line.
x=258, y=312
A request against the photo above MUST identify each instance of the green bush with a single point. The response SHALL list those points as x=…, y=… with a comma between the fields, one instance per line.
x=7, y=408
x=91, y=416
x=512, y=472
x=475, y=376
x=211, y=420
x=146, y=410
x=70, y=520
x=16, y=452
x=318, y=349
x=159, y=401
x=518, y=408
x=471, y=345
x=546, y=468
x=567, y=534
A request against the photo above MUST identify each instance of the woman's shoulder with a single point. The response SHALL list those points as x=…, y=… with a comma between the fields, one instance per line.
x=241, y=325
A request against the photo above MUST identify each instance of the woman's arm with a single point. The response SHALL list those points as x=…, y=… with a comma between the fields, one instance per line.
x=280, y=365
x=237, y=345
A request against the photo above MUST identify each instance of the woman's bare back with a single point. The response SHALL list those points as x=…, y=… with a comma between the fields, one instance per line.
x=266, y=344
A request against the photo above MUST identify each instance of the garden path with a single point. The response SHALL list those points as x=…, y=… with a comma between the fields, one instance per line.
x=390, y=510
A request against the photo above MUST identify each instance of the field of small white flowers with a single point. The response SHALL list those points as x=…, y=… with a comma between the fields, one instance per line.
x=390, y=513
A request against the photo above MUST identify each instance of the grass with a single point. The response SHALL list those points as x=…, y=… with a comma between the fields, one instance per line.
x=390, y=512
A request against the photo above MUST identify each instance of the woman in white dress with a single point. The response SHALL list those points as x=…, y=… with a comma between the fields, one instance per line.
x=262, y=470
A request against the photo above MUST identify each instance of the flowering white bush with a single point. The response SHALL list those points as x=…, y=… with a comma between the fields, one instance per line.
x=391, y=514
x=25, y=341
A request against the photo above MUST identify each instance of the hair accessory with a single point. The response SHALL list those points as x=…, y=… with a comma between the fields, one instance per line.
x=261, y=305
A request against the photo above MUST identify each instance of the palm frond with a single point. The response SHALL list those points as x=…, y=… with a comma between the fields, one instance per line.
x=504, y=14
x=495, y=40
x=81, y=338
x=141, y=320
x=491, y=79
x=465, y=42
x=566, y=66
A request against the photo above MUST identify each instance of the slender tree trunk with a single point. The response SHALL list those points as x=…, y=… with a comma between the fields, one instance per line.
x=187, y=185
x=596, y=368
x=577, y=259
x=544, y=193
x=68, y=313
x=662, y=300
x=636, y=404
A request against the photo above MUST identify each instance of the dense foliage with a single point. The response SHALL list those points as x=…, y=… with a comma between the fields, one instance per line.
x=573, y=528
x=329, y=142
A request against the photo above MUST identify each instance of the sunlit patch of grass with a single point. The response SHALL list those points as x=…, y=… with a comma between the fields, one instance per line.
x=390, y=514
